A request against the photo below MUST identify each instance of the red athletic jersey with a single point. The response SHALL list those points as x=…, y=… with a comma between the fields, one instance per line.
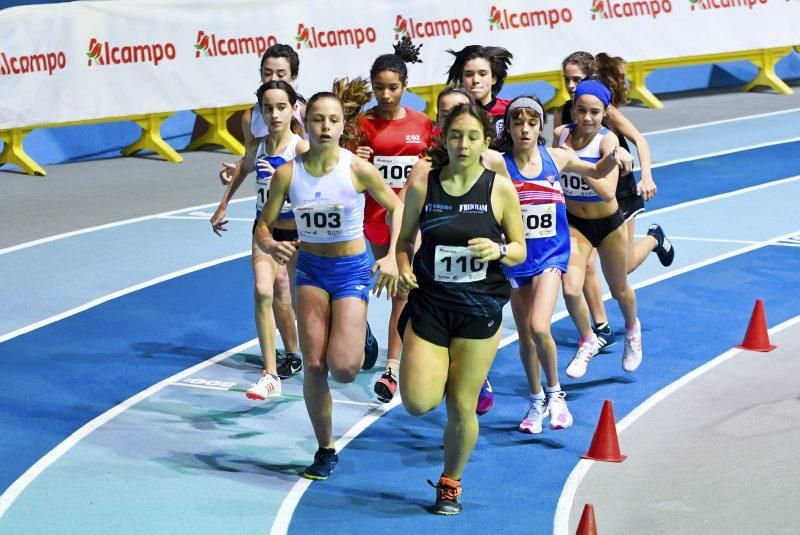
x=397, y=144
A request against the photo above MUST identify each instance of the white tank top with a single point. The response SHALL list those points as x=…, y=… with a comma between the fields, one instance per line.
x=259, y=128
x=327, y=209
x=264, y=179
x=575, y=187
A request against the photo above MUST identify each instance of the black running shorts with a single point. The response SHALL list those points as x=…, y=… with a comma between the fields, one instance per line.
x=596, y=230
x=630, y=206
x=438, y=325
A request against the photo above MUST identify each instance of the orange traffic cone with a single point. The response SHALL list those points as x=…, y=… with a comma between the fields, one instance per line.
x=587, y=524
x=757, y=338
x=605, y=445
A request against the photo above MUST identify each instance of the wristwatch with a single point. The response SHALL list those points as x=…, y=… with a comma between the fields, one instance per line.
x=503, y=251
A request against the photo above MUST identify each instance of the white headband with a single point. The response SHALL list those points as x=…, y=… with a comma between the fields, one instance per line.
x=526, y=102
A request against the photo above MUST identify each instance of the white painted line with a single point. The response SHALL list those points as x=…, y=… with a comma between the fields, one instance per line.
x=284, y=395
x=565, y=501
x=13, y=492
x=724, y=152
x=721, y=121
x=120, y=293
x=195, y=218
x=718, y=197
x=284, y=515
x=711, y=240
x=111, y=225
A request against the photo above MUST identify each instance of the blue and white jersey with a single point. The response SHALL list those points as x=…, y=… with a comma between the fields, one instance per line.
x=575, y=187
x=264, y=178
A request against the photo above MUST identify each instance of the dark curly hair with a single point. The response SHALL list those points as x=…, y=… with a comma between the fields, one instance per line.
x=498, y=57
x=404, y=52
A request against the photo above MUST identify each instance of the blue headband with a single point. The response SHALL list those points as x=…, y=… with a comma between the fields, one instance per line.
x=594, y=88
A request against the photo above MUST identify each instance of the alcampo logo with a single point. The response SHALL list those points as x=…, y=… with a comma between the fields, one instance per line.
x=431, y=28
x=211, y=45
x=104, y=53
x=311, y=37
x=609, y=9
x=38, y=62
x=504, y=19
x=703, y=5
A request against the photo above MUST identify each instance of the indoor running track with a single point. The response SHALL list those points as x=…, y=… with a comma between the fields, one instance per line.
x=121, y=388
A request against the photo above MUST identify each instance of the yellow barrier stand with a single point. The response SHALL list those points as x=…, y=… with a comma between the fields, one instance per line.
x=764, y=58
x=13, y=152
x=217, y=133
x=554, y=78
x=151, y=138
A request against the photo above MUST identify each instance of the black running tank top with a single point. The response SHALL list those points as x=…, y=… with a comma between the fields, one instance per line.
x=447, y=274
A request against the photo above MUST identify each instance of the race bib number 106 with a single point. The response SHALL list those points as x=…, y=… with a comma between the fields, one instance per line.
x=394, y=170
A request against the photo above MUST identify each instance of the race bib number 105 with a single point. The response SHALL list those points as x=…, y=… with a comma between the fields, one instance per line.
x=456, y=264
x=394, y=170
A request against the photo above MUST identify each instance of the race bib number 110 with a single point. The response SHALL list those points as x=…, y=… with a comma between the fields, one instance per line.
x=456, y=264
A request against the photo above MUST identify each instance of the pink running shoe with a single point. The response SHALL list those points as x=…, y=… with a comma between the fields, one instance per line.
x=485, y=398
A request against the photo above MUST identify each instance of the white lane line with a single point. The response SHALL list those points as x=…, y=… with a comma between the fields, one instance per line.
x=195, y=218
x=721, y=121
x=284, y=515
x=711, y=240
x=720, y=196
x=724, y=152
x=120, y=293
x=284, y=395
x=56, y=453
x=565, y=501
x=112, y=225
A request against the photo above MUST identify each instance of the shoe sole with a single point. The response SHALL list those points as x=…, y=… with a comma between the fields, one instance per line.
x=573, y=376
x=485, y=411
x=314, y=478
x=557, y=427
x=257, y=397
x=446, y=513
x=529, y=431
x=384, y=393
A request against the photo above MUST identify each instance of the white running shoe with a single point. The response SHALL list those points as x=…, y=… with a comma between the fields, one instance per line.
x=632, y=355
x=534, y=416
x=268, y=386
x=560, y=417
x=578, y=364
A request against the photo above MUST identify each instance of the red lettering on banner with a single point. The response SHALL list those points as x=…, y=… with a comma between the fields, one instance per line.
x=431, y=28
x=48, y=62
x=211, y=45
x=103, y=53
x=310, y=37
x=702, y=5
x=609, y=9
x=503, y=19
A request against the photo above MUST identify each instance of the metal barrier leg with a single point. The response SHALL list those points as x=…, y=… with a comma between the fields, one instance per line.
x=766, y=71
x=217, y=133
x=151, y=138
x=14, y=153
x=638, y=89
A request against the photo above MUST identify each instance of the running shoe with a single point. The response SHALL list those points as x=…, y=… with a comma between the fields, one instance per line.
x=632, y=355
x=370, y=350
x=324, y=462
x=485, y=398
x=534, y=416
x=448, y=496
x=605, y=336
x=664, y=250
x=560, y=417
x=578, y=364
x=386, y=386
x=289, y=364
x=268, y=386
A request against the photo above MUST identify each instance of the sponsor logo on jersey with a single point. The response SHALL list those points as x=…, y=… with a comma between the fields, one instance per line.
x=473, y=208
x=313, y=37
x=212, y=45
x=702, y=5
x=423, y=29
x=609, y=9
x=104, y=53
x=506, y=19
x=48, y=62
x=438, y=207
x=413, y=138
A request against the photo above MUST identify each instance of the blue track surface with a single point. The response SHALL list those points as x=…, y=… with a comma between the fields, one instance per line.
x=513, y=481
x=59, y=377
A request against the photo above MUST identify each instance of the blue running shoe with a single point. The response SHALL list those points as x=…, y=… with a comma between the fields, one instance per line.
x=605, y=336
x=370, y=350
x=324, y=462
